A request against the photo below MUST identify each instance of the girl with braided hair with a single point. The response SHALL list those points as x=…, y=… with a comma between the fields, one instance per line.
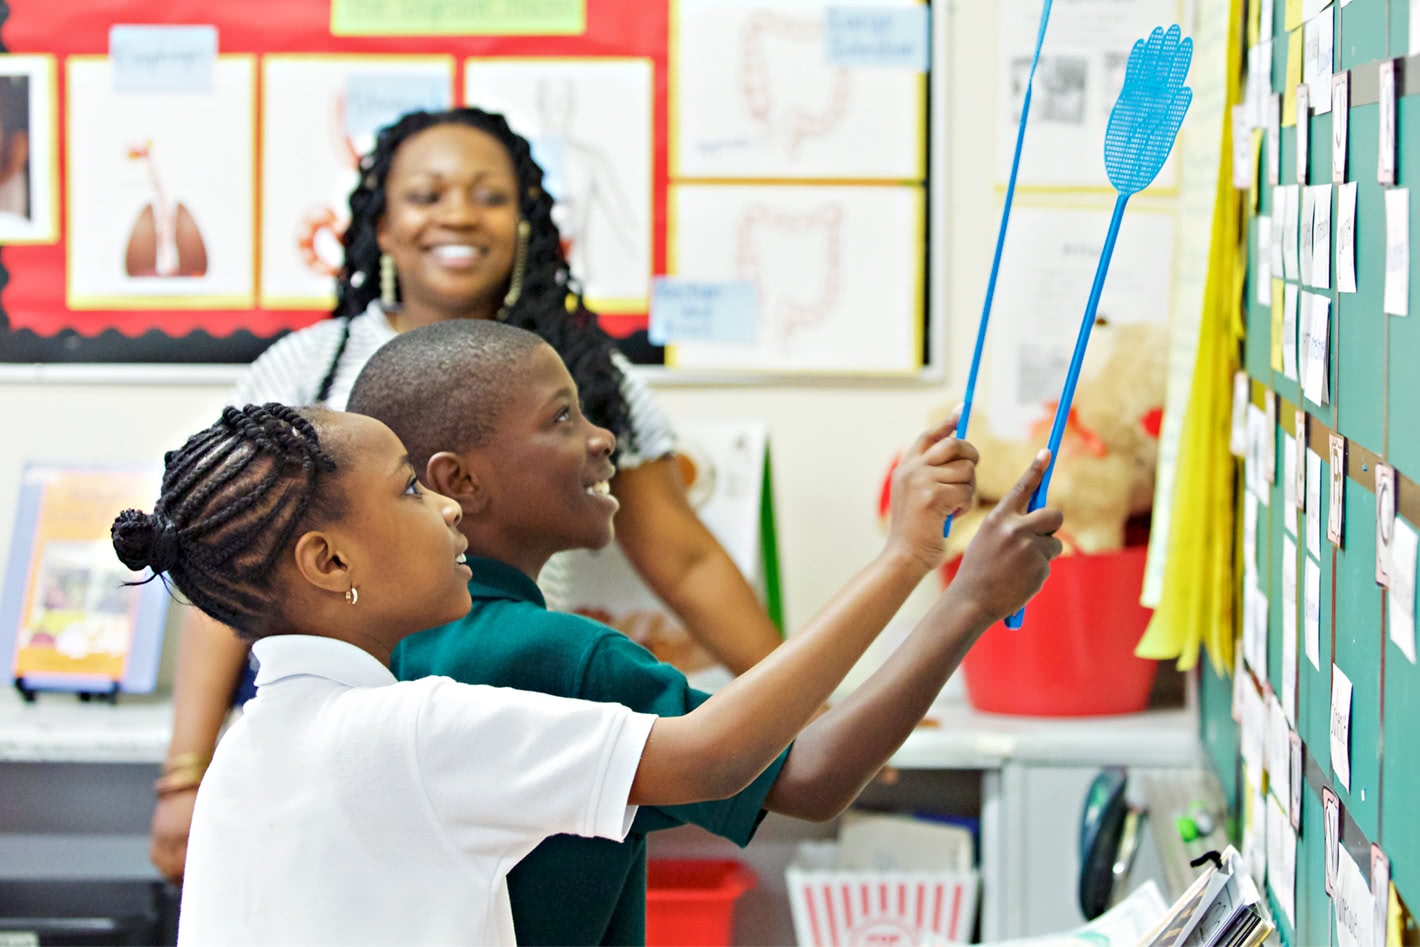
x=346, y=807
x=450, y=221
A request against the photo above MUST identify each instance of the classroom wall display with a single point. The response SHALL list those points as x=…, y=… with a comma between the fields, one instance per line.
x=833, y=275
x=326, y=110
x=161, y=196
x=1321, y=708
x=590, y=122
x=1038, y=320
x=29, y=198
x=1079, y=76
x=778, y=90
x=206, y=150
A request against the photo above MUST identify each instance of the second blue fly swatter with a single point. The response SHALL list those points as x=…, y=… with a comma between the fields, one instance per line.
x=1142, y=129
x=965, y=418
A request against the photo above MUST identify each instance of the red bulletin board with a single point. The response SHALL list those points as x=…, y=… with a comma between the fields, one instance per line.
x=36, y=322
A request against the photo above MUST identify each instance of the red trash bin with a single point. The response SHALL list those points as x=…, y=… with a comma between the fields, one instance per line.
x=1075, y=655
x=691, y=902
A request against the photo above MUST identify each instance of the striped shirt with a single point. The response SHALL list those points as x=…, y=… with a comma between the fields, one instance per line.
x=291, y=371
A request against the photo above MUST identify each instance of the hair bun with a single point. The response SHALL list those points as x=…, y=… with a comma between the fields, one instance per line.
x=145, y=541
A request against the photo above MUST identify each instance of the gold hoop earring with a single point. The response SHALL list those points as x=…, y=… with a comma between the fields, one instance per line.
x=352, y=595
x=520, y=262
x=389, y=289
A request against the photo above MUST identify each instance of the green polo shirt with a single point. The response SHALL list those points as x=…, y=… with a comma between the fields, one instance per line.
x=574, y=890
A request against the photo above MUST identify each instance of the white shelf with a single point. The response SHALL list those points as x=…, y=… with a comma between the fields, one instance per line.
x=961, y=737
x=60, y=729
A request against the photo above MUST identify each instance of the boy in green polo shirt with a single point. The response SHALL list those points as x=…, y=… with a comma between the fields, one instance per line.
x=494, y=423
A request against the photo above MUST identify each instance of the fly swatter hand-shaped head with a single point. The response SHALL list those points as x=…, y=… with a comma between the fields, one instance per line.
x=1149, y=110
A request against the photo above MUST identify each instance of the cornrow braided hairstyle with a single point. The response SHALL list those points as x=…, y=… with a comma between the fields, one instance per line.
x=550, y=304
x=233, y=499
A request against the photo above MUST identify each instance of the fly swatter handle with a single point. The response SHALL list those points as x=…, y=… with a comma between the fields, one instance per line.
x=963, y=419
x=1037, y=501
x=1077, y=359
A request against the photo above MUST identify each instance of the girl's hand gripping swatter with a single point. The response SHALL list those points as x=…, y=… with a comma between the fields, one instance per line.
x=1000, y=239
x=1141, y=133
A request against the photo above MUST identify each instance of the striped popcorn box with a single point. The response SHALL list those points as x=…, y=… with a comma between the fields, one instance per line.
x=837, y=908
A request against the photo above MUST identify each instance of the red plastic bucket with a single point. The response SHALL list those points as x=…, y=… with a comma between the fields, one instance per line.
x=1075, y=655
x=691, y=902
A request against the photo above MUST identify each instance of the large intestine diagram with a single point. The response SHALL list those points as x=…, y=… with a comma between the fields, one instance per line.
x=777, y=51
x=793, y=259
x=165, y=239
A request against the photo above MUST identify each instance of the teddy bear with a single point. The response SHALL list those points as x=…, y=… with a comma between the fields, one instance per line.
x=1104, y=474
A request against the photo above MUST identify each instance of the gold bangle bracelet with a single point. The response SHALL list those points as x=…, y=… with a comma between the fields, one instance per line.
x=176, y=782
x=168, y=787
x=187, y=760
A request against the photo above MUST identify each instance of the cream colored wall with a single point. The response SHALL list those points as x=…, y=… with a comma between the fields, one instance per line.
x=830, y=443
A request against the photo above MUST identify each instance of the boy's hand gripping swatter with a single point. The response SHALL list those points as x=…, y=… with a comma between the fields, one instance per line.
x=1141, y=133
x=1000, y=240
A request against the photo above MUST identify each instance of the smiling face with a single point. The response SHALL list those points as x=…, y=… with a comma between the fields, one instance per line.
x=450, y=223
x=544, y=472
x=399, y=541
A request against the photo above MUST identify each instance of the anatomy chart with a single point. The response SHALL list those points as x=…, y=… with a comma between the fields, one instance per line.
x=326, y=109
x=836, y=275
x=758, y=93
x=590, y=125
x=160, y=191
x=191, y=163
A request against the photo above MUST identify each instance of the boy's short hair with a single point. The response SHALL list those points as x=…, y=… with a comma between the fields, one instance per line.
x=443, y=386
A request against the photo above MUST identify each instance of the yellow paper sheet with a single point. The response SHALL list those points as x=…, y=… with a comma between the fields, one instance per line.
x=1199, y=588
x=1294, y=14
x=1294, y=78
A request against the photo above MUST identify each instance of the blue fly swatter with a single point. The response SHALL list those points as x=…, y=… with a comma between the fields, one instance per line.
x=965, y=417
x=1141, y=133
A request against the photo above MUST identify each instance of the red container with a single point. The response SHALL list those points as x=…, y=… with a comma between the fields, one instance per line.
x=1074, y=657
x=691, y=902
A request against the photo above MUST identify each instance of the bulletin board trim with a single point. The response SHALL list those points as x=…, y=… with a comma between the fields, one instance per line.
x=31, y=358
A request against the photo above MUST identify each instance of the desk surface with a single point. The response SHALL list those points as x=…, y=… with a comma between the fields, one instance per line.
x=60, y=729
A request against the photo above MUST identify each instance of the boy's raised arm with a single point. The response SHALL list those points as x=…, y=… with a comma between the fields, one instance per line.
x=837, y=754
x=719, y=748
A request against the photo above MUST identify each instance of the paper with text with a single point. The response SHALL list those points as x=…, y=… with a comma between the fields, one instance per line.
x=1397, y=251
x=1341, y=725
x=1346, y=238
x=1311, y=611
x=1400, y=614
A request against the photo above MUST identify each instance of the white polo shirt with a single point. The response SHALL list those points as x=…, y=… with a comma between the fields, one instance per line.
x=347, y=808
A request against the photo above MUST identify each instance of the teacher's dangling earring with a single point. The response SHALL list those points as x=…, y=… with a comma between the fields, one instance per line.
x=389, y=288
x=520, y=262
x=352, y=595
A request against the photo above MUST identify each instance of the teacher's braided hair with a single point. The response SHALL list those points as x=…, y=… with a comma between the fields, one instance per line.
x=232, y=501
x=550, y=303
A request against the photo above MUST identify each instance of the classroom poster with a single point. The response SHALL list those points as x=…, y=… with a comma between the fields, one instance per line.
x=207, y=151
x=161, y=191
x=69, y=621
x=326, y=109
x=29, y=199
x=590, y=123
x=1077, y=80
